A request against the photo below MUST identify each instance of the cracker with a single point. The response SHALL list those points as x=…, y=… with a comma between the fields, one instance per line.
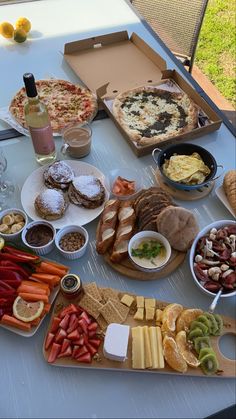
x=121, y=308
x=102, y=322
x=91, y=305
x=92, y=289
x=110, y=313
x=109, y=293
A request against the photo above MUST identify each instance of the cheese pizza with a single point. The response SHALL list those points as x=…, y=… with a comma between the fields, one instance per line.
x=66, y=103
x=150, y=115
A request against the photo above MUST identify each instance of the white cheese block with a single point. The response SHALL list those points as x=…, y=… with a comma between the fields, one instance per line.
x=116, y=342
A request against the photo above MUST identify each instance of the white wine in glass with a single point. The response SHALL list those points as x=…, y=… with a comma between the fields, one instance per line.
x=6, y=186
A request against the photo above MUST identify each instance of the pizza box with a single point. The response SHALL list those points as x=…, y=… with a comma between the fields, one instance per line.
x=113, y=63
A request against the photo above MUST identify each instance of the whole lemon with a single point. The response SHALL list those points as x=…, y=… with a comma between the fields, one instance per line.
x=23, y=23
x=6, y=30
x=20, y=35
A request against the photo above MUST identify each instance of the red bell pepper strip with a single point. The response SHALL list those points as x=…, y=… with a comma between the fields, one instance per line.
x=9, y=275
x=6, y=286
x=24, y=256
x=9, y=265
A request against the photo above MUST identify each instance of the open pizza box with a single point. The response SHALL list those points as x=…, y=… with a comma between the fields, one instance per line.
x=113, y=63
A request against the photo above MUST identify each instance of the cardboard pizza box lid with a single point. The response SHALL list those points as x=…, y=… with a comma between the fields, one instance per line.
x=114, y=60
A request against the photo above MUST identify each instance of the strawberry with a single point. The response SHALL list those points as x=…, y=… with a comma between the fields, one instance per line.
x=93, y=326
x=67, y=352
x=65, y=344
x=64, y=322
x=85, y=316
x=55, y=350
x=55, y=324
x=70, y=309
x=74, y=335
x=49, y=339
x=75, y=349
x=84, y=325
x=73, y=325
x=95, y=342
x=91, y=349
x=92, y=333
x=85, y=358
x=81, y=351
x=60, y=336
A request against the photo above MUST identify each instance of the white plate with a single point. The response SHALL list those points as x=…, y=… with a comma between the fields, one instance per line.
x=33, y=329
x=223, y=198
x=74, y=214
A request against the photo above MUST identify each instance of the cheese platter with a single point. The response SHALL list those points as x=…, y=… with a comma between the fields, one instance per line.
x=107, y=338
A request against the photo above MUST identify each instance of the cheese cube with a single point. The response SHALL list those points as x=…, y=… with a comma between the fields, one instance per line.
x=138, y=349
x=127, y=300
x=116, y=342
x=139, y=314
x=140, y=301
x=150, y=302
x=150, y=312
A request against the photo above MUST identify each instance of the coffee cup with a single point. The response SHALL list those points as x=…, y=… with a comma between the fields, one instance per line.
x=76, y=140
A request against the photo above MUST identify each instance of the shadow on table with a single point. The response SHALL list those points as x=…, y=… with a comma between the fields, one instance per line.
x=229, y=413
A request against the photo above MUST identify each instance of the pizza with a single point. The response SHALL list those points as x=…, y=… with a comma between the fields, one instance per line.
x=66, y=103
x=150, y=115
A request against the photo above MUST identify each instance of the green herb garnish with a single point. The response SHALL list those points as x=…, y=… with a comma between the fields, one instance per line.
x=148, y=250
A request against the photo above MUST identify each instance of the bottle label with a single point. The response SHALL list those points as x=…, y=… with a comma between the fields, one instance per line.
x=42, y=139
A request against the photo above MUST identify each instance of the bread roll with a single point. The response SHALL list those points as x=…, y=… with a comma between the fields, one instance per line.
x=229, y=185
x=107, y=226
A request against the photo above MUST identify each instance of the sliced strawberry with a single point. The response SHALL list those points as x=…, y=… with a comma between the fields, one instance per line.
x=84, y=325
x=91, y=349
x=49, y=339
x=73, y=317
x=73, y=325
x=54, y=352
x=92, y=333
x=86, y=317
x=93, y=326
x=55, y=324
x=67, y=352
x=95, y=342
x=70, y=309
x=60, y=336
x=85, y=358
x=80, y=341
x=65, y=344
x=74, y=351
x=81, y=351
x=85, y=338
x=65, y=322
x=74, y=335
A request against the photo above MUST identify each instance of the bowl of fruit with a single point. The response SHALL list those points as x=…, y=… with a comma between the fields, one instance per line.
x=213, y=258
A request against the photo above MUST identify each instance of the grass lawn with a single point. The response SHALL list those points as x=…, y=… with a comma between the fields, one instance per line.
x=216, y=47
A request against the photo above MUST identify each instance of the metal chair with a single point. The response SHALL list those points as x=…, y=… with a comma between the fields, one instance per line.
x=177, y=22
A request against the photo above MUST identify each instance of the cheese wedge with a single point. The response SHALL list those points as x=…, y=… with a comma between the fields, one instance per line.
x=161, y=360
x=140, y=301
x=138, y=350
x=153, y=342
x=147, y=346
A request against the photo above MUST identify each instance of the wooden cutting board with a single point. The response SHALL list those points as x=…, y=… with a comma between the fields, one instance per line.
x=227, y=366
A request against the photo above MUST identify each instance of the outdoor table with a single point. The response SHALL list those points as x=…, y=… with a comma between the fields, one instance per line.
x=29, y=387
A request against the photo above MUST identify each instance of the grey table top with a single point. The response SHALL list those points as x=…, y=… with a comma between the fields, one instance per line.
x=29, y=387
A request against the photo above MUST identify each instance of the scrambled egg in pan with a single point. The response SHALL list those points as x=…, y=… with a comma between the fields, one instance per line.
x=190, y=170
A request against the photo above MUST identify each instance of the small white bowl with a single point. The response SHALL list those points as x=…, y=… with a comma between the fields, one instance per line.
x=129, y=174
x=137, y=238
x=13, y=236
x=72, y=229
x=39, y=250
x=205, y=230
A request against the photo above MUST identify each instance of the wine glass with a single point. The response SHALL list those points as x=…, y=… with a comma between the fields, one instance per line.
x=6, y=186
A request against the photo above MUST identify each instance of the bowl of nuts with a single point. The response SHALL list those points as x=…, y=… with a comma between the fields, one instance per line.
x=72, y=241
x=12, y=222
x=213, y=258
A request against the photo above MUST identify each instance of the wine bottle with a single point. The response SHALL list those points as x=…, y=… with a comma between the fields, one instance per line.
x=38, y=122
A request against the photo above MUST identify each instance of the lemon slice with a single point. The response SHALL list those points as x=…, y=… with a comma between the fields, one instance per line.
x=2, y=242
x=27, y=311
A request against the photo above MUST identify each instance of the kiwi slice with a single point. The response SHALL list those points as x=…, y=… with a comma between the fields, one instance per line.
x=213, y=329
x=201, y=342
x=195, y=333
x=201, y=326
x=220, y=324
x=205, y=351
x=203, y=319
x=209, y=364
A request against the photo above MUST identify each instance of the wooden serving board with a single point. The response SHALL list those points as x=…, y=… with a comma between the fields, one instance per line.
x=226, y=365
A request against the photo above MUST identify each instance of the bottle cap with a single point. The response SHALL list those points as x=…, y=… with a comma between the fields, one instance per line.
x=30, y=86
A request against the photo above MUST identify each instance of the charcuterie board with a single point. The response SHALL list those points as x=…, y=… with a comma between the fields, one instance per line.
x=226, y=366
